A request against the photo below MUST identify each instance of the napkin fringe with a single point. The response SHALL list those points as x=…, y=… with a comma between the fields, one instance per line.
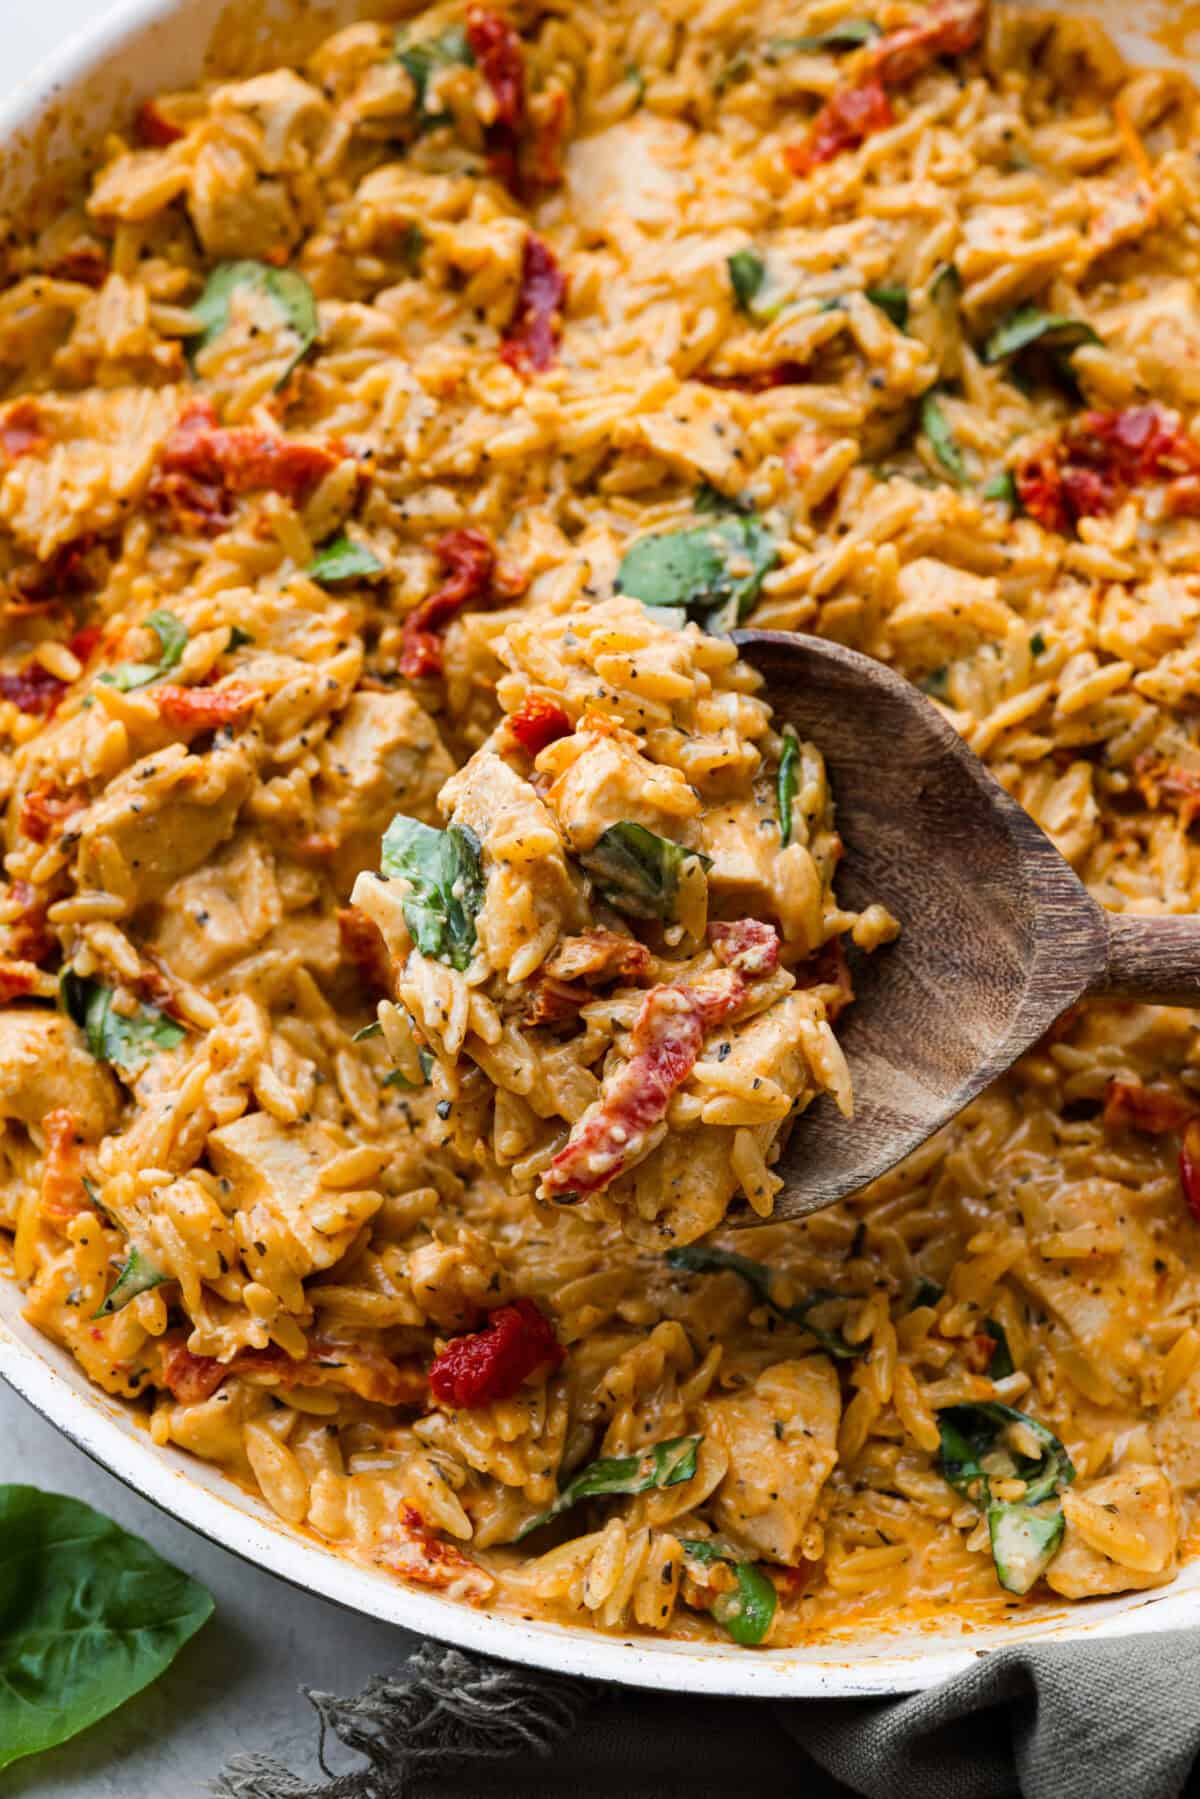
x=444, y=1706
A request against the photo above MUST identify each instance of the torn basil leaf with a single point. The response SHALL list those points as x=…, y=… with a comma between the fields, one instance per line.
x=127, y=1042
x=138, y=1275
x=428, y=57
x=747, y=272
x=848, y=34
x=1000, y=1363
x=713, y=571
x=1023, y=1543
x=172, y=636
x=1024, y=1533
x=444, y=872
x=1030, y=325
x=374, y=1029
x=662, y=1465
x=891, y=299
x=1003, y=487
x=747, y=1611
x=700, y=1258
x=636, y=871
x=399, y=1079
x=343, y=560
x=936, y=427
x=289, y=292
x=237, y=639
x=89, y=1615
x=785, y=783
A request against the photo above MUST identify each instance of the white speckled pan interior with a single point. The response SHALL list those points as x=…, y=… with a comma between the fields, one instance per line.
x=138, y=48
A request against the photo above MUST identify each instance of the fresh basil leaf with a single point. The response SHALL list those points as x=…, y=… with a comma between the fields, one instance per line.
x=1023, y=1543
x=290, y=292
x=1030, y=325
x=111, y=1036
x=891, y=299
x=710, y=499
x=343, y=560
x=941, y=438
x=700, y=1258
x=172, y=636
x=1037, y=644
x=1003, y=487
x=785, y=783
x=636, y=871
x=397, y=1079
x=945, y=285
x=238, y=639
x=747, y=272
x=374, y=1029
x=427, y=57
x=746, y=1613
x=89, y=1615
x=662, y=1465
x=138, y=1275
x=739, y=68
x=714, y=571
x=1024, y=1533
x=444, y=871
x=847, y=35
x=1001, y=1364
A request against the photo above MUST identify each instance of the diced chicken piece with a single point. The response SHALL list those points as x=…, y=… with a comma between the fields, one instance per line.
x=219, y=913
x=781, y=1438
x=1122, y=1532
x=44, y=1066
x=607, y=781
x=235, y=211
x=293, y=116
x=456, y=1283
x=1162, y=335
x=288, y=1223
x=1075, y=1222
x=1141, y=624
x=945, y=611
x=630, y=174
x=696, y=432
x=160, y=819
x=384, y=757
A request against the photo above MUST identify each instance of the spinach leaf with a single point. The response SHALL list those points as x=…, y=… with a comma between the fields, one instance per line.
x=127, y=1042
x=747, y=272
x=662, y=1465
x=847, y=35
x=426, y=58
x=699, y=1258
x=138, y=1275
x=444, y=871
x=785, y=783
x=636, y=871
x=290, y=292
x=708, y=499
x=747, y=1612
x=1024, y=1533
x=714, y=571
x=89, y=1615
x=937, y=429
x=1030, y=325
x=892, y=299
x=343, y=560
x=172, y=636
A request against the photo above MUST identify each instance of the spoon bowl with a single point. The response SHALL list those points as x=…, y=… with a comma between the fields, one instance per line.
x=998, y=936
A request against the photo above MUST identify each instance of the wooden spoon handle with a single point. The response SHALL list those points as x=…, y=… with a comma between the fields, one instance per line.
x=1153, y=959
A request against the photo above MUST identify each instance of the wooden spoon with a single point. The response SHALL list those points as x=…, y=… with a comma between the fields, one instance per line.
x=998, y=935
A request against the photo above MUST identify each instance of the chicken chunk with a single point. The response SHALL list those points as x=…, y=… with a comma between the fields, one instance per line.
x=781, y=1438
x=608, y=781
x=44, y=1065
x=1122, y=1532
x=1162, y=335
x=384, y=757
x=219, y=912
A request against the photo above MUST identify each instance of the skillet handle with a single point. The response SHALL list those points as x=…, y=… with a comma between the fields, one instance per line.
x=1152, y=959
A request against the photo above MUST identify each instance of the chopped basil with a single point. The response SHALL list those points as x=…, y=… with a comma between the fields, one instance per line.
x=708, y=498
x=662, y=1465
x=636, y=871
x=89, y=1615
x=1030, y=325
x=747, y=272
x=746, y=1613
x=739, y=68
x=343, y=560
x=1037, y=644
x=785, y=783
x=1024, y=1533
x=172, y=636
x=946, y=285
x=941, y=438
x=398, y=1079
x=138, y=1275
x=289, y=291
x=127, y=1042
x=847, y=35
x=713, y=571
x=412, y=247
x=698, y=1258
x=374, y=1029
x=237, y=639
x=925, y=1293
x=1003, y=487
x=634, y=74
x=444, y=872
x=892, y=299
x=1000, y=1363
x=936, y=682
x=428, y=57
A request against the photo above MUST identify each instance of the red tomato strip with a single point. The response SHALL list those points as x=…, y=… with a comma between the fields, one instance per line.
x=748, y=944
x=22, y=432
x=537, y=722
x=1151, y=1109
x=531, y=340
x=492, y=1363
x=62, y=1196
x=469, y=562
x=205, y=708
x=500, y=58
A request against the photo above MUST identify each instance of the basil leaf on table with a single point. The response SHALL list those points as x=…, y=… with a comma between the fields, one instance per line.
x=127, y=1042
x=444, y=871
x=289, y=291
x=1030, y=325
x=662, y=1465
x=139, y=1275
x=89, y=1615
x=636, y=871
x=1024, y=1533
x=785, y=783
x=343, y=560
x=713, y=571
x=936, y=427
x=699, y=1258
x=747, y=1611
x=172, y=636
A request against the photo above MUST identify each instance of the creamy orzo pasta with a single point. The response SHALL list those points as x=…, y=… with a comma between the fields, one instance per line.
x=417, y=936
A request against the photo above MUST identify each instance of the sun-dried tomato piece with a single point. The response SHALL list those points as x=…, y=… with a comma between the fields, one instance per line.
x=748, y=944
x=1167, y=783
x=544, y=164
x=550, y=1001
x=154, y=129
x=947, y=30
x=43, y=809
x=86, y=641
x=1040, y=491
x=978, y=1351
x=665, y=1044
x=62, y=1195
x=1151, y=1109
x=757, y=381
x=362, y=945
x=40, y=586
x=1101, y=457
x=530, y=342
x=1089, y=492
x=22, y=430
x=190, y=1378
x=1189, y=1166
x=205, y=708
x=29, y=937
x=469, y=564
x=87, y=265
x=492, y=1363
x=32, y=689
x=537, y=722
x=598, y=956
x=203, y=464
x=355, y=1367
x=500, y=57
x=847, y=119
x=15, y=982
